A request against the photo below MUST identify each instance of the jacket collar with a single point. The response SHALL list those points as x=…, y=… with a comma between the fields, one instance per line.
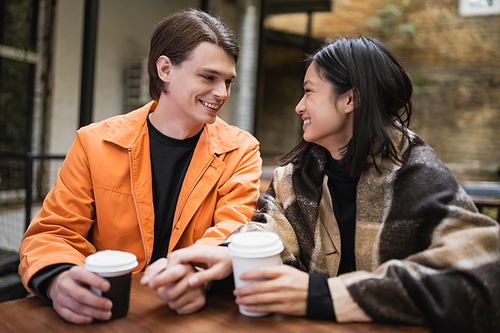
x=125, y=130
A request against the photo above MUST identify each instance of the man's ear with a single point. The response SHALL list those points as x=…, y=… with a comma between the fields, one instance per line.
x=164, y=68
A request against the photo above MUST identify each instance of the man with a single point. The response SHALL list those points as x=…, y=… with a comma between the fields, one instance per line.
x=160, y=178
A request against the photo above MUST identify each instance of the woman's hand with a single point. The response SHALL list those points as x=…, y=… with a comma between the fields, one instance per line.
x=284, y=291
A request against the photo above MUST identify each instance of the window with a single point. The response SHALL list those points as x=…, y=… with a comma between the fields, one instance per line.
x=18, y=36
x=479, y=7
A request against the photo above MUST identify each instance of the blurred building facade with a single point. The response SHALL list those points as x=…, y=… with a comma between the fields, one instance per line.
x=122, y=43
x=450, y=48
x=43, y=63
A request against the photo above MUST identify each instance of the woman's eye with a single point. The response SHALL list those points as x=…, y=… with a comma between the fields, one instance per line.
x=306, y=91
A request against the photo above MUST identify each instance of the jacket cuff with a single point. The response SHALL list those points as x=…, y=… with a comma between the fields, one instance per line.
x=346, y=309
x=41, y=280
x=319, y=299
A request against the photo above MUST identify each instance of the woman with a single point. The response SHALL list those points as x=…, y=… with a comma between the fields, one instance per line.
x=375, y=226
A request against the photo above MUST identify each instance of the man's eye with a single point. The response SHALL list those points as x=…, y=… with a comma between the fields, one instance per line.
x=306, y=91
x=229, y=82
x=209, y=78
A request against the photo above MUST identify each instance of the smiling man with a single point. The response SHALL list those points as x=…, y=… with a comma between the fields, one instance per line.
x=160, y=178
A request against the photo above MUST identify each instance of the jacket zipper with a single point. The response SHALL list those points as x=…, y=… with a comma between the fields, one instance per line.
x=136, y=209
x=190, y=191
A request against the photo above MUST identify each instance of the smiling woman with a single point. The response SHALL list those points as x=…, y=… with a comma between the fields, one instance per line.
x=366, y=208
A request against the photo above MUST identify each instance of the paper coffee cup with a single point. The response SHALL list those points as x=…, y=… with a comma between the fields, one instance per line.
x=116, y=267
x=252, y=250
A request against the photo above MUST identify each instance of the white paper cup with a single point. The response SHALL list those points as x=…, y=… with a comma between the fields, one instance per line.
x=116, y=267
x=252, y=250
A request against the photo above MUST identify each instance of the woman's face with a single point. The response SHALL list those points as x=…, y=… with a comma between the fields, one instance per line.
x=327, y=120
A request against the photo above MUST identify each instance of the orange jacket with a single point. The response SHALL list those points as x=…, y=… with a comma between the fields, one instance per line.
x=103, y=196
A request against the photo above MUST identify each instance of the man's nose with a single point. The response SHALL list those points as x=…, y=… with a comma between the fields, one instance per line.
x=221, y=91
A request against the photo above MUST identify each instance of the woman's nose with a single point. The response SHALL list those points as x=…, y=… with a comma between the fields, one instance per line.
x=300, y=106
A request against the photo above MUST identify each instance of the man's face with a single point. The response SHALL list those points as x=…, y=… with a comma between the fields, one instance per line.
x=200, y=85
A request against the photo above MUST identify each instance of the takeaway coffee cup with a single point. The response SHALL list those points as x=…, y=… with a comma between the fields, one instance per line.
x=252, y=250
x=116, y=267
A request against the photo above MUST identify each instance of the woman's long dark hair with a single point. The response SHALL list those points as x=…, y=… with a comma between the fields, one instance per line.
x=382, y=99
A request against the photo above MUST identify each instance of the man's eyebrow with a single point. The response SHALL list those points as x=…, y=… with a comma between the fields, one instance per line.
x=214, y=72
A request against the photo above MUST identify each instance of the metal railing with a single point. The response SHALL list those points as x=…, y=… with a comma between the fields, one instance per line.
x=25, y=180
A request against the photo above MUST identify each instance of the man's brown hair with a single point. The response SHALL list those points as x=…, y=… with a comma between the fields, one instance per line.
x=177, y=35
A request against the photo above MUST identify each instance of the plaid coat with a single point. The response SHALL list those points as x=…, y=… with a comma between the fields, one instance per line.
x=424, y=255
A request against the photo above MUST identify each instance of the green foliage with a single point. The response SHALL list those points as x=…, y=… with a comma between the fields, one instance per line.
x=419, y=79
x=391, y=21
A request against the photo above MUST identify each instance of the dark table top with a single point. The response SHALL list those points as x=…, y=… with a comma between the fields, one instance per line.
x=149, y=314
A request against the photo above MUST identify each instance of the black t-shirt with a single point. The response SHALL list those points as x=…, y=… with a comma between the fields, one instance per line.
x=170, y=160
x=343, y=192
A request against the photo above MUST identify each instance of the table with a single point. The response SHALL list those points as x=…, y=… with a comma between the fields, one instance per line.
x=482, y=202
x=149, y=314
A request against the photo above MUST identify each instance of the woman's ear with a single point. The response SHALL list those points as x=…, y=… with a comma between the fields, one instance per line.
x=164, y=68
x=347, y=101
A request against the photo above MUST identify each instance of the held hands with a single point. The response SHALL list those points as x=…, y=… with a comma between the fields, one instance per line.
x=171, y=285
x=183, y=286
x=215, y=261
x=72, y=299
x=284, y=290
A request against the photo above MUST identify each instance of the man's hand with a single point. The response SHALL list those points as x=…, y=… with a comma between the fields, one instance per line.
x=215, y=261
x=284, y=290
x=74, y=301
x=171, y=285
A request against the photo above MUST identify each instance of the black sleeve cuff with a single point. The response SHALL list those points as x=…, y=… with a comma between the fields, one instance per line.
x=222, y=286
x=41, y=280
x=319, y=300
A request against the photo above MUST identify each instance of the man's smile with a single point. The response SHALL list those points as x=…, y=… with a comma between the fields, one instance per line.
x=210, y=105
